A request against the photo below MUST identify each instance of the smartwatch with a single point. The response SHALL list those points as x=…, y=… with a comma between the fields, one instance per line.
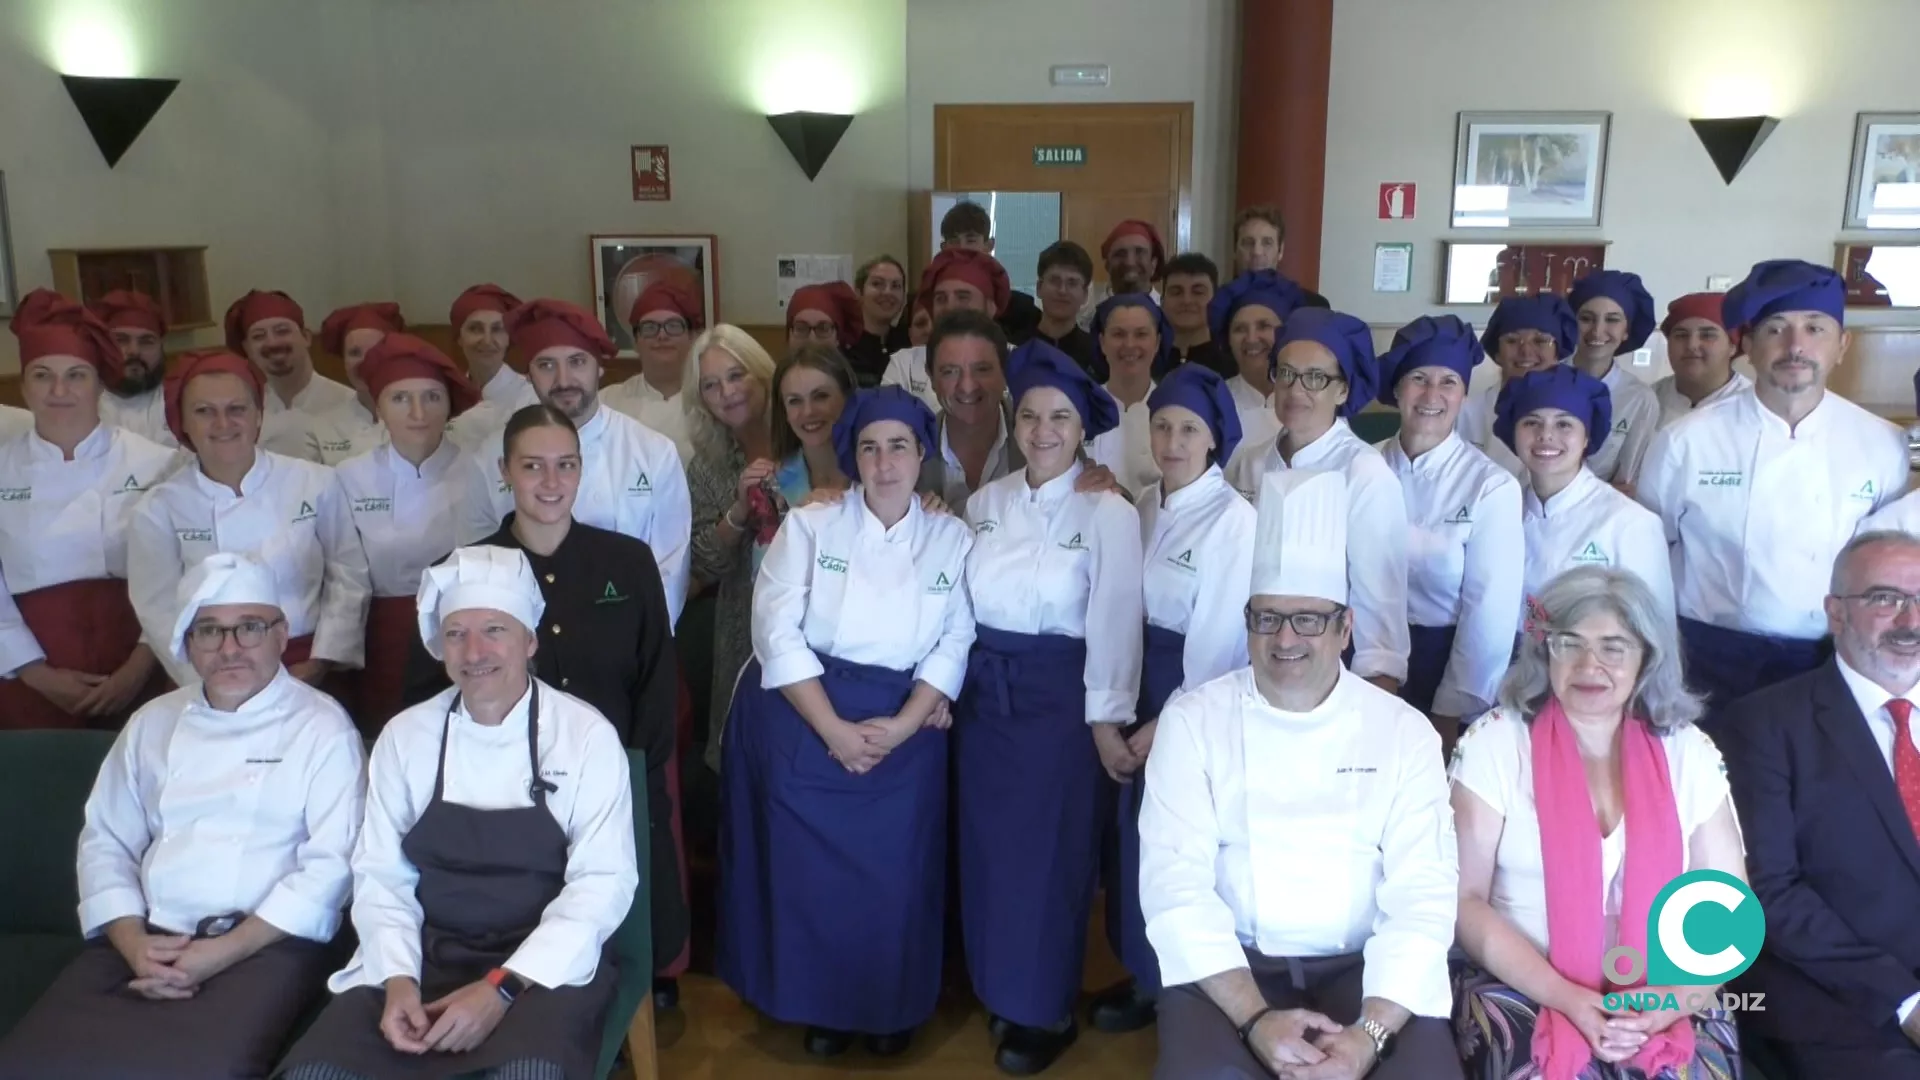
x=508, y=985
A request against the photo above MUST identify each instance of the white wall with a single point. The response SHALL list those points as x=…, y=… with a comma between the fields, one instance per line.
x=1402, y=71
x=983, y=52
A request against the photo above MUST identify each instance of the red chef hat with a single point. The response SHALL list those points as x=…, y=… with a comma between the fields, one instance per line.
x=976, y=268
x=1135, y=227
x=480, y=298
x=667, y=295
x=198, y=362
x=1701, y=305
x=542, y=324
x=132, y=310
x=403, y=356
x=837, y=301
x=384, y=317
x=254, y=307
x=49, y=324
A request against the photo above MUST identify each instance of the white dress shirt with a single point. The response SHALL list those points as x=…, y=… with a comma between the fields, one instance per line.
x=908, y=368
x=1757, y=513
x=1674, y=404
x=198, y=813
x=343, y=431
x=63, y=521
x=1376, y=509
x=1590, y=523
x=487, y=769
x=835, y=581
x=1494, y=760
x=1127, y=450
x=320, y=396
x=1636, y=417
x=143, y=414
x=631, y=482
x=406, y=516
x=953, y=489
x=291, y=515
x=1301, y=835
x=1057, y=561
x=1464, y=537
x=667, y=415
x=510, y=390
x=1199, y=566
x=1872, y=700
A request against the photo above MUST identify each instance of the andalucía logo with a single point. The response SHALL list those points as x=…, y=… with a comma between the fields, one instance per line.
x=1703, y=928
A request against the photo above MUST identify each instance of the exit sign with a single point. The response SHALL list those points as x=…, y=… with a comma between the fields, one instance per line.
x=1060, y=155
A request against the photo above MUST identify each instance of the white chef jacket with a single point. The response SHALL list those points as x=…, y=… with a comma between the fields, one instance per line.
x=1257, y=422
x=1636, y=417
x=406, y=517
x=13, y=421
x=479, y=429
x=143, y=414
x=343, y=431
x=837, y=582
x=1127, y=450
x=292, y=515
x=667, y=415
x=1464, y=538
x=908, y=368
x=1590, y=523
x=321, y=396
x=510, y=390
x=1300, y=835
x=63, y=521
x=1475, y=425
x=1757, y=513
x=289, y=433
x=1376, y=509
x=197, y=813
x=487, y=769
x=1097, y=294
x=1674, y=404
x=631, y=482
x=953, y=481
x=1057, y=561
x=1198, y=571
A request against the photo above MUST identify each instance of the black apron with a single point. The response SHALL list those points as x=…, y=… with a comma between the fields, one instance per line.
x=486, y=877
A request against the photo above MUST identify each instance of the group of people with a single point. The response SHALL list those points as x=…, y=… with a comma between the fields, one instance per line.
x=1014, y=597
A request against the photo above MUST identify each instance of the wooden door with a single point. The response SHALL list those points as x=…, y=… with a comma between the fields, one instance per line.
x=1139, y=164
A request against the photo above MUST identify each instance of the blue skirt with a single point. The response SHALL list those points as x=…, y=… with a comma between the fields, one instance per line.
x=1426, y=664
x=1729, y=664
x=1162, y=670
x=1028, y=802
x=832, y=886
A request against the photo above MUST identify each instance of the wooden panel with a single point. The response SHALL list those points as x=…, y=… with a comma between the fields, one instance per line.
x=175, y=276
x=1286, y=60
x=1878, y=370
x=1139, y=163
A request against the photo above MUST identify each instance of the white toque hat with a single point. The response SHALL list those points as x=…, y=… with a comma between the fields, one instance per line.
x=493, y=578
x=1300, y=541
x=224, y=577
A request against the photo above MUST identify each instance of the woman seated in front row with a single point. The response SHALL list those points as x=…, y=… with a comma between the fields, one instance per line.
x=1576, y=801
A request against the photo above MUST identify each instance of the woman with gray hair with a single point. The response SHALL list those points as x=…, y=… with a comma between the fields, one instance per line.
x=1576, y=800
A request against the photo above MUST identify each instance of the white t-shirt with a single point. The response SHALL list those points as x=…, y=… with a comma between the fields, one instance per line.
x=1494, y=760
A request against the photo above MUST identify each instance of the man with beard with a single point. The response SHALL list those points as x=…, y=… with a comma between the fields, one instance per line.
x=1759, y=491
x=269, y=329
x=1133, y=255
x=968, y=227
x=135, y=402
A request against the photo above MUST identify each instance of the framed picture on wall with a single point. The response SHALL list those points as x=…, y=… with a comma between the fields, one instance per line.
x=1521, y=169
x=1883, y=190
x=8, y=295
x=623, y=267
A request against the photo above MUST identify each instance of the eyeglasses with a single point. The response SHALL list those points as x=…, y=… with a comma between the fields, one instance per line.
x=1611, y=652
x=670, y=328
x=815, y=331
x=1315, y=381
x=1304, y=623
x=247, y=633
x=1884, y=601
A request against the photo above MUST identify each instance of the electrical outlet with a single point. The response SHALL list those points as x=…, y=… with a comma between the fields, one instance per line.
x=1719, y=283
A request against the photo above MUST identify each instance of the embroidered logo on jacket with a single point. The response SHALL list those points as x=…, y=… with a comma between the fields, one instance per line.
x=832, y=565
x=986, y=526
x=1073, y=543
x=194, y=536
x=1621, y=428
x=24, y=494
x=611, y=596
x=1731, y=478
x=941, y=585
x=1867, y=491
x=373, y=506
x=641, y=485
x=306, y=513
x=133, y=484
x=1591, y=553
x=1183, y=561
x=1462, y=516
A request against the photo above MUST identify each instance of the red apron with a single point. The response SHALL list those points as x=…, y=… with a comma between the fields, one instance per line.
x=392, y=627
x=87, y=626
x=682, y=736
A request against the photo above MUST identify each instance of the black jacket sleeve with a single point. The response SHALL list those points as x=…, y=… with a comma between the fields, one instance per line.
x=656, y=702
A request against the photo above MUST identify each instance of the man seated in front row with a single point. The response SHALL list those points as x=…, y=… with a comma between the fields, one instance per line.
x=1298, y=868
x=496, y=861
x=213, y=864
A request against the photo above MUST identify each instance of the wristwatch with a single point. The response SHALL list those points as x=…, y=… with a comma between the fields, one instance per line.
x=1246, y=1029
x=1382, y=1038
x=507, y=984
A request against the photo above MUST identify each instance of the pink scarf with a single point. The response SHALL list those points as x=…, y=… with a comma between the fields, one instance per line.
x=1570, y=850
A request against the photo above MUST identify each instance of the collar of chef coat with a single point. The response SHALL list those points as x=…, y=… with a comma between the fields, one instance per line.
x=1431, y=464
x=263, y=707
x=1584, y=486
x=436, y=466
x=999, y=441
x=595, y=429
x=1204, y=487
x=1311, y=455
x=95, y=445
x=1056, y=489
x=251, y=483
x=1816, y=424
x=1152, y=385
x=872, y=528
x=511, y=731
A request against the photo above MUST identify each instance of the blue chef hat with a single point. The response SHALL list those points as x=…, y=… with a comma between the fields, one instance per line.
x=1137, y=300
x=1546, y=313
x=881, y=403
x=1038, y=364
x=1624, y=289
x=1268, y=288
x=1429, y=341
x=1346, y=337
x=1201, y=389
x=1779, y=285
x=1566, y=388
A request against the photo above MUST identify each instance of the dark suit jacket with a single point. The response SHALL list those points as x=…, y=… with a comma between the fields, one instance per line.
x=1831, y=856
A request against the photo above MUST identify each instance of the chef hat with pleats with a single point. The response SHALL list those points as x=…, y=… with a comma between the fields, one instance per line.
x=490, y=578
x=1625, y=290
x=225, y=577
x=1300, y=540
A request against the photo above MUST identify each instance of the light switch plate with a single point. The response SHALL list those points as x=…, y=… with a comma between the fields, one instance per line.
x=1643, y=358
x=1719, y=283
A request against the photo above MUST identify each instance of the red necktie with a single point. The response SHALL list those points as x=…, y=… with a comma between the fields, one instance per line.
x=1906, y=760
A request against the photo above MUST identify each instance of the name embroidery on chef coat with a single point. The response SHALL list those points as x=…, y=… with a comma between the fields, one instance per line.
x=1074, y=543
x=1592, y=554
x=373, y=506
x=611, y=596
x=337, y=446
x=24, y=494
x=986, y=526
x=1729, y=478
x=1183, y=561
x=195, y=536
x=641, y=485
x=306, y=513
x=832, y=564
x=941, y=585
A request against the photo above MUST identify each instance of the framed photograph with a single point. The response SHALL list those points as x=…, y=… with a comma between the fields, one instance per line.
x=8, y=294
x=623, y=267
x=1883, y=190
x=1529, y=169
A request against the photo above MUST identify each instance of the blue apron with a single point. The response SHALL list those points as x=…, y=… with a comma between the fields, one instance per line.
x=1426, y=664
x=1162, y=670
x=832, y=886
x=1729, y=664
x=1028, y=802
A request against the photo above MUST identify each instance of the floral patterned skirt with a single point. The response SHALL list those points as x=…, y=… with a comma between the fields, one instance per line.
x=1493, y=1027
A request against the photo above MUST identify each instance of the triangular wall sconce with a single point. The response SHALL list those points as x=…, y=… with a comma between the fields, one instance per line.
x=117, y=110
x=810, y=136
x=1732, y=142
